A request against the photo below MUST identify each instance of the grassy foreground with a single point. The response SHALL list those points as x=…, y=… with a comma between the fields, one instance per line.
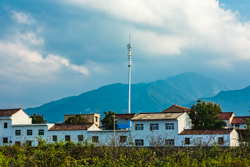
x=69, y=154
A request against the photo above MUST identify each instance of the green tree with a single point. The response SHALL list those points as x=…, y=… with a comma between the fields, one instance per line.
x=204, y=115
x=37, y=119
x=108, y=120
x=76, y=119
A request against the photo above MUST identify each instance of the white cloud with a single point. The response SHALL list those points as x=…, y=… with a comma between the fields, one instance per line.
x=31, y=38
x=22, y=18
x=19, y=62
x=171, y=26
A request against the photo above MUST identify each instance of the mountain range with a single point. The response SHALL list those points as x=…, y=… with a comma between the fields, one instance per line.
x=183, y=89
x=237, y=101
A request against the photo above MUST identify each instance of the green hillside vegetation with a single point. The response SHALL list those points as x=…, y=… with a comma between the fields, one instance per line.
x=69, y=154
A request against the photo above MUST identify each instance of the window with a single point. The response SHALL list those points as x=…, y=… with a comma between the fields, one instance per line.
x=187, y=141
x=5, y=140
x=18, y=132
x=5, y=125
x=169, y=126
x=95, y=139
x=237, y=126
x=154, y=126
x=54, y=137
x=123, y=139
x=80, y=137
x=169, y=142
x=29, y=132
x=139, y=142
x=225, y=124
x=18, y=143
x=41, y=131
x=67, y=137
x=220, y=140
x=138, y=126
x=96, y=119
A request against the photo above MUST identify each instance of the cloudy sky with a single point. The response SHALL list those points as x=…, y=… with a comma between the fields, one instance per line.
x=50, y=49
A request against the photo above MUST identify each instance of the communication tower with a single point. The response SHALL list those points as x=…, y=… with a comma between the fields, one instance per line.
x=130, y=54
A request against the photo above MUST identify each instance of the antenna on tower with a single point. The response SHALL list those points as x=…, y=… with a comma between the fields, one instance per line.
x=129, y=46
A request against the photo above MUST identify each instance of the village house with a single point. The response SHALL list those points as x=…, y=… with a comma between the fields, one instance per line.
x=172, y=127
x=219, y=137
x=148, y=128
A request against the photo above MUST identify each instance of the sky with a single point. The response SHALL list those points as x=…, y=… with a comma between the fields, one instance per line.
x=51, y=49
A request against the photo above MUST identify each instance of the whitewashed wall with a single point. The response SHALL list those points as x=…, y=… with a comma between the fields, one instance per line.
x=34, y=137
x=184, y=122
x=72, y=133
x=150, y=136
x=208, y=140
x=5, y=132
x=21, y=118
x=106, y=137
x=234, y=138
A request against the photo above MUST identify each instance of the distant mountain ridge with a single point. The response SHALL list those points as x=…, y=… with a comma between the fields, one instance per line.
x=237, y=101
x=156, y=96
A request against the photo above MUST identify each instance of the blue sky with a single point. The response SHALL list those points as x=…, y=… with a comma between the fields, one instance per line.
x=54, y=49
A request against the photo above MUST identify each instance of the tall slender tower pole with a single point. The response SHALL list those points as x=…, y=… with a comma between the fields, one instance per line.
x=129, y=73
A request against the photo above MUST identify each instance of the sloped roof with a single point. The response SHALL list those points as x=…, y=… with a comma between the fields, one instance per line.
x=225, y=115
x=240, y=120
x=156, y=116
x=64, y=126
x=206, y=132
x=8, y=112
x=176, y=108
x=125, y=116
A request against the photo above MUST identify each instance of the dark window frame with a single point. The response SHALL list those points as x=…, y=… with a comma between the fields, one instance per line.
x=237, y=126
x=95, y=139
x=221, y=141
x=67, y=137
x=169, y=126
x=80, y=138
x=29, y=132
x=5, y=125
x=187, y=141
x=139, y=142
x=169, y=142
x=17, y=132
x=154, y=126
x=54, y=137
x=5, y=140
x=139, y=127
x=41, y=132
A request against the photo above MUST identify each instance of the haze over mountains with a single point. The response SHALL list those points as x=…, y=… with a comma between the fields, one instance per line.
x=183, y=89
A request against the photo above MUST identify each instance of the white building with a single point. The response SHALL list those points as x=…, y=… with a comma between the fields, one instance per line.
x=8, y=118
x=221, y=137
x=240, y=122
x=150, y=129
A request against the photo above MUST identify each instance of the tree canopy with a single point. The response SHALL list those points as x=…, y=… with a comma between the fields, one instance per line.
x=108, y=120
x=37, y=119
x=204, y=115
x=76, y=119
